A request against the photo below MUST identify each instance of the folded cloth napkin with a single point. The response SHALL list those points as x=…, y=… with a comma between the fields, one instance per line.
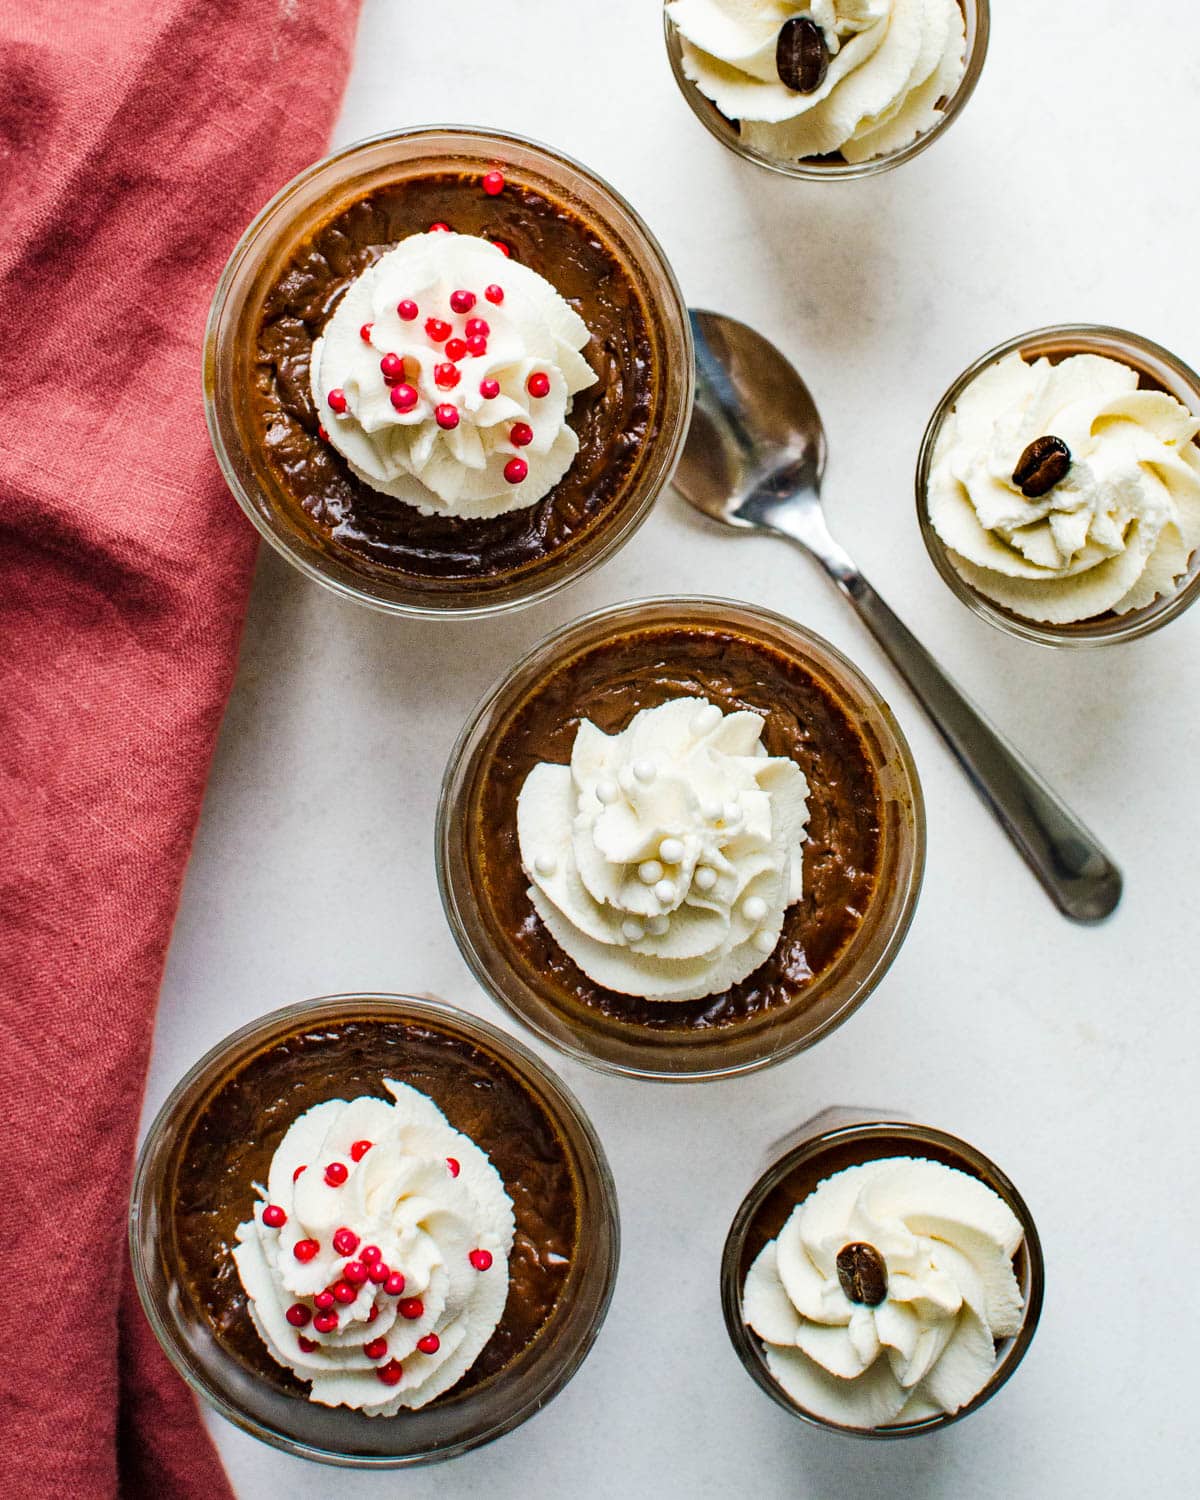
x=137, y=139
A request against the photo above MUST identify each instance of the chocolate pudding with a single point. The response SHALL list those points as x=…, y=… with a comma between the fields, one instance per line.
x=231, y=1139
x=614, y=419
x=805, y=723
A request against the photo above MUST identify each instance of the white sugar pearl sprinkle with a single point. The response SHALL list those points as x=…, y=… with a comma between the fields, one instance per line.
x=545, y=864
x=705, y=877
x=764, y=941
x=632, y=930
x=665, y=892
x=658, y=925
x=650, y=872
x=645, y=770
x=670, y=851
x=710, y=811
x=607, y=790
x=754, y=909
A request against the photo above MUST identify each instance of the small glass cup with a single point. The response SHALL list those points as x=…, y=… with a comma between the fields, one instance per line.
x=338, y=1435
x=830, y=1142
x=834, y=168
x=320, y=193
x=717, y=1052
x=1159, y=370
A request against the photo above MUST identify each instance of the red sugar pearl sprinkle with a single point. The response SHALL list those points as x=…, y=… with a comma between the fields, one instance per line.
x=304, y=1250
x=430, y=1344
x=343, y=1292
x=494, y=294
x=538, y=384
x=403, y=398
x=493, y=184
x=456, y=348
x=478, y=327
x=446, y=416
x=372, y=1315
x=476, y=345
x=325, y=1322
x=369, y=1253
x=453, y=1164
x=392, y=366
x=516, y=470
x=336, y=1173
x=489, y=390
x=407, y=309
x=520, y=434
x=437, y=330
x=502, y=247
x=274, y=1216
x=379, y=1272
x=462, y=302
x=376, y=1349
x=440, y=228
x=392, y=1373
x=337, y=400
x=324, y=1300
x=359, y=1150
x=298, y=1315
x=446, y=376
x=296, y=1173
x=345, y=1241
x=394, y=1285
x=324, y=436
x=481, y=1259
x=307, y=1346
x=412, y=1308
x=355, y=1272
x=364, y=332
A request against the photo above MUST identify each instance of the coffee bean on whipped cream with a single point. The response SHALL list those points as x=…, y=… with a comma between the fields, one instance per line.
x=862, y=1274
x=801, y=56
x=1042, y=465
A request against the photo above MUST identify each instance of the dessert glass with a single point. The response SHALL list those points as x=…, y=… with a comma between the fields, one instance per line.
x=716, y=1052
x=451, y=1424
x=834, y=168
x=831, y=1141
x=318, y=194
x=1159, y=370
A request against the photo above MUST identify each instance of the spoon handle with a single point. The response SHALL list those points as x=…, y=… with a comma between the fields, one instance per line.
x=1077, y=873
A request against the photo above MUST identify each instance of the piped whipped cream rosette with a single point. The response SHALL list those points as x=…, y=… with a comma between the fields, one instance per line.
x=1119, y=524
x=877, y=74
x=662, y=858
x=376, y=1266
x=884, y=1296
x=446, y=375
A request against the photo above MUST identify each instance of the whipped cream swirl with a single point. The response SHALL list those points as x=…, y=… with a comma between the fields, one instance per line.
x=469, y=417
x=928, y=1347
x=376, y=1264
x=1114, y=534
x=662, y=858
x=892, y=63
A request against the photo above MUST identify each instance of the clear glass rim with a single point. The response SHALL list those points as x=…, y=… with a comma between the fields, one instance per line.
x=664, y=469
x=912, y=869
x=1115, y=343
x=977, y=13
x=324, y=1007
x=916, y=1136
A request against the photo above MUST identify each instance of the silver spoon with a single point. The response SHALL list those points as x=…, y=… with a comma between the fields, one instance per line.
x=754, y=458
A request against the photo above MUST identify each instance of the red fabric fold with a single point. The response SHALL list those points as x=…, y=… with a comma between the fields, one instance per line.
x=137, y=138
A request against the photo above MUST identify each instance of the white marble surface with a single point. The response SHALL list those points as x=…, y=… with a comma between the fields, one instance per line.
x=1066, y=191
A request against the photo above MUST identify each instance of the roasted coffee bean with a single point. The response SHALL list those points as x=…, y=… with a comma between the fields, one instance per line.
x=801, y=56
x=1041, y=466
x=862, y=1273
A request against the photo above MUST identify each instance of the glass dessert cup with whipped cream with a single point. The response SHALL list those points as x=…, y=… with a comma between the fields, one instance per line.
x=1088, y=536
x=373, y=1230
x=827, y=91
x=447, y=371
x=941, y=1253
x=682, y=839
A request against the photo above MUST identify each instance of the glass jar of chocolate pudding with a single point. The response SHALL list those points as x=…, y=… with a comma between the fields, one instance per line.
x=833, y=1142
x=485, y=1124
x=519, y=397
x=800, y=718
x=1172, y=555
x=808, y=64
